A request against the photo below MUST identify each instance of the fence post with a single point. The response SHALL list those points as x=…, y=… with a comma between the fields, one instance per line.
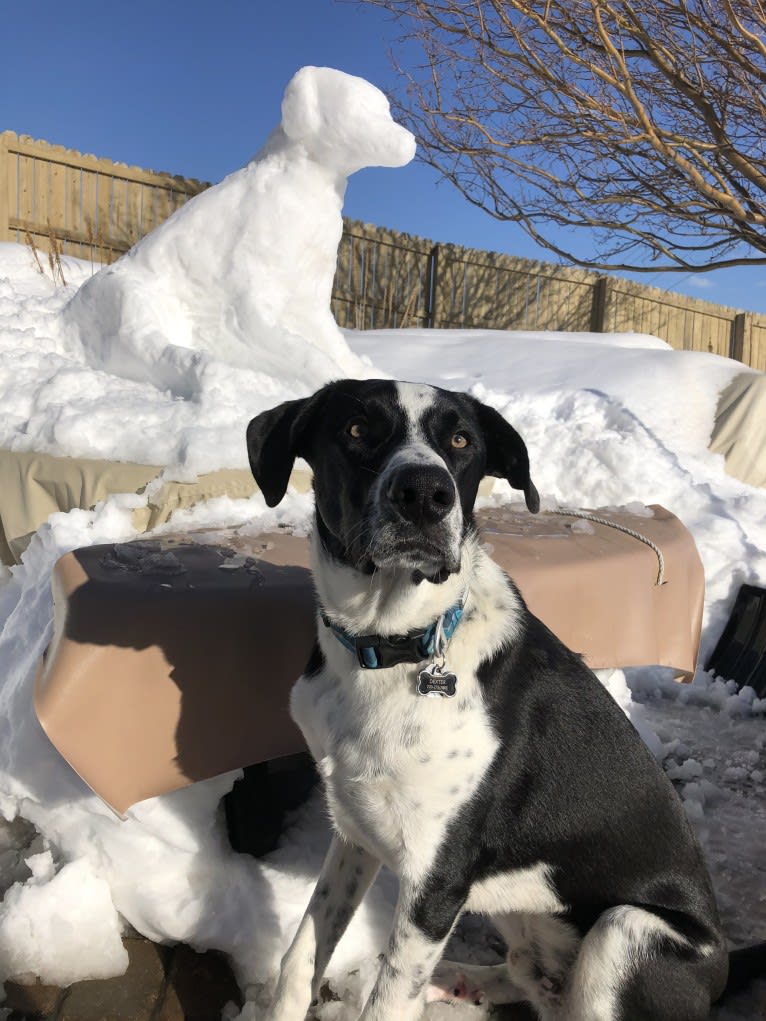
x=432, y=270
x=741, y=337
x=598, y=308
x=5, y=189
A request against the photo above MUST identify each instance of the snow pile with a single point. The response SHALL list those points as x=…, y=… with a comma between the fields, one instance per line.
x=52, y=923
x=244, y=272
x=673, y=393
x=209, y=321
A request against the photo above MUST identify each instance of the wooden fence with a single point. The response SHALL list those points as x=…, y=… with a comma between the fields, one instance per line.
x=387, y=279
x=96, y=209
x=383, y=279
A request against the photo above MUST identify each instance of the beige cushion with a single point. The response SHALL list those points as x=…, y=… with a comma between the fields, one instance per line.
x=34, y=486
x=740, y=427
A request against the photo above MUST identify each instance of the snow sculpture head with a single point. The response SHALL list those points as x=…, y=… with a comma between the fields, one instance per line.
x=343, y=122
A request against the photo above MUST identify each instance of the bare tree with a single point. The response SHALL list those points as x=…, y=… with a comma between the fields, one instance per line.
x=641, y=121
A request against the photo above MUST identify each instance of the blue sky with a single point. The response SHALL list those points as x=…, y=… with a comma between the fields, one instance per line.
x=194, y=89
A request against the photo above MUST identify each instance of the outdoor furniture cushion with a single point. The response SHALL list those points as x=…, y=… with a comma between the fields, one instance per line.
x=33, y=486
x=739, y=428
x=172, y=658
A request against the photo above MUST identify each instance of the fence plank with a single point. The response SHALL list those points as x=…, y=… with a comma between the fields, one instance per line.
x=598, y=305
x=106, y=226
x=90, y=221
x=5, y=188
x=133, y=195
x=57, y=200
x=755, y=353
x=73, y=200
x=42, y=185
x=25, y=189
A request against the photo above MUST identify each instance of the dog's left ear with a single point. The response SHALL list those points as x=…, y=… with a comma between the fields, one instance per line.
x=274, y=440
x=507, y=456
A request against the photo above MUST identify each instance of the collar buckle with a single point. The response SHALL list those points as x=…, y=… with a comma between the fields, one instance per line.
x=376, y=652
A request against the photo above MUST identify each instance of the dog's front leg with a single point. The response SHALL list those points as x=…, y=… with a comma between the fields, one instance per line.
x=346, y=875
x=422, y=925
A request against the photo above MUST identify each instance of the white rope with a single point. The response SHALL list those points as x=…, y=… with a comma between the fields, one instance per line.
x=622, y=528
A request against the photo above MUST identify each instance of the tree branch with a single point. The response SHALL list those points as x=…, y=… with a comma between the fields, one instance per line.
x=638, y=122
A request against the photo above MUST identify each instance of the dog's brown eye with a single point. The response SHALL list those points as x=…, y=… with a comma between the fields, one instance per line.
x=357, y=428
x=460, y=441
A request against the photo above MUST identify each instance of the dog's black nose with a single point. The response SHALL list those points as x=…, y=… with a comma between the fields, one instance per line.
x=422, y=494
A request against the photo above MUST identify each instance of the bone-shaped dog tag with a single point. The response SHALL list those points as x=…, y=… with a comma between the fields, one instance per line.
x=435, y=682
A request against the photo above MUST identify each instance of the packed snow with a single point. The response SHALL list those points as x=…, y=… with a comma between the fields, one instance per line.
x=162, y=359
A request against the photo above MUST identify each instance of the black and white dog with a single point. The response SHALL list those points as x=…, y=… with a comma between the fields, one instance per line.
x=518, y=789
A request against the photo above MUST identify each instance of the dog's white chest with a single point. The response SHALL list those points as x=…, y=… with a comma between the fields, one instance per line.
x=396, y=766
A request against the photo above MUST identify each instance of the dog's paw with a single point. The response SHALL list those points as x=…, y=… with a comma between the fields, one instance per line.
x=455, y=987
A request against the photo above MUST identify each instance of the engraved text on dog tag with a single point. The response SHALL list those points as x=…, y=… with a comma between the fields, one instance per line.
x=436, y=682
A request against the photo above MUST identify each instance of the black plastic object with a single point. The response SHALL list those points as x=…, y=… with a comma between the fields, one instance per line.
x=256, y=805
x=740, y=654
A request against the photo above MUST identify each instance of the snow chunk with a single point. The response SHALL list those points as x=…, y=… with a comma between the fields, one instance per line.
x=64, y=927
x=688, y=770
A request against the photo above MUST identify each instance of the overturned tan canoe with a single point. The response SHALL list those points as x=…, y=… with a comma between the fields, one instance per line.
x=172, y=658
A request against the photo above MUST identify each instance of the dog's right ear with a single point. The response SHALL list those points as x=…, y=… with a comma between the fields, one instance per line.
x=507, y=456
x=274, y=440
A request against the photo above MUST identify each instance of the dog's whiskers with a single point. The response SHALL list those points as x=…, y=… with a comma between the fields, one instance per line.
x=357, y=536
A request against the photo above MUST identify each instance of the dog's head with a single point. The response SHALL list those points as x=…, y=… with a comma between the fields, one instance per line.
x=396, y=468
x=343, y=121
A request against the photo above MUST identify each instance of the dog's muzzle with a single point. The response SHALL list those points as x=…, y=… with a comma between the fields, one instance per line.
x=416, y=520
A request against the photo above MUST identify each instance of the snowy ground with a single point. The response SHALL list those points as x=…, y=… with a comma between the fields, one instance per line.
x=608, y=419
